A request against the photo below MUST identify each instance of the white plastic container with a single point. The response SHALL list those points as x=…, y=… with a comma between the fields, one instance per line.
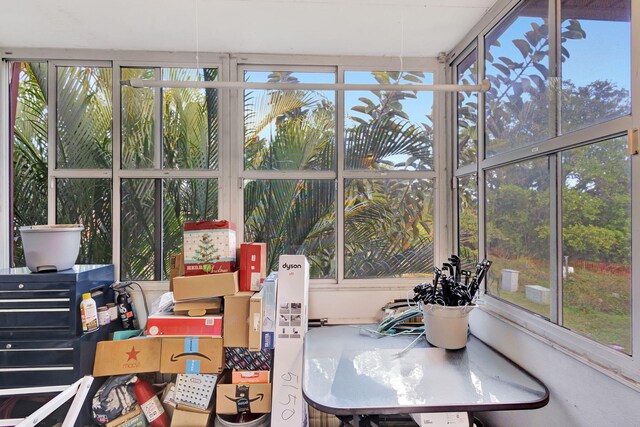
x=89, y=313
x=446, y=327
x=51, y=247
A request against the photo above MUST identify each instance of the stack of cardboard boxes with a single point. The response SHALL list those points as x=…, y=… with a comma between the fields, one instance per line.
x=212, y=343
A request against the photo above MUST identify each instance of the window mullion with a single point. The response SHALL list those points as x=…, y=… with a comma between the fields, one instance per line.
x=555, y=239
x=340, y=160
x=116, y=165
x=157, y=121
x=52, y=139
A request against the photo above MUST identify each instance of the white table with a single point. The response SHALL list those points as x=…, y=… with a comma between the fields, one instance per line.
x=348, y=373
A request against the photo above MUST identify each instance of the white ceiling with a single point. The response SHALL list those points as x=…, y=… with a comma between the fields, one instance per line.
x=419, y=28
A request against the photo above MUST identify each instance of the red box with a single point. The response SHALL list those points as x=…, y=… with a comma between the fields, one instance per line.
x=253, y=266
x=209, y=247
x=172, y=325
x=249, y=377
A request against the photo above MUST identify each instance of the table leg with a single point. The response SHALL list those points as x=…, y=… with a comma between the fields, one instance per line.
x=359, y=420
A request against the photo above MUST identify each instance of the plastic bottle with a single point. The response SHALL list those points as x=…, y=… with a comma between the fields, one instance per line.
x=88, y=313
x=150, y=404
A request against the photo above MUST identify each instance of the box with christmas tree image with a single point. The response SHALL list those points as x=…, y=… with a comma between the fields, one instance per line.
x=209, y=247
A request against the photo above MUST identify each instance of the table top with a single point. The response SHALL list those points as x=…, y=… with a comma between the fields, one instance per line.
x=346, y=371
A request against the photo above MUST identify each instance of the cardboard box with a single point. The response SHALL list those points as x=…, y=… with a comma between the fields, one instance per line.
x=249, y=377
x=253, y=265
x=192, y=355
x=168, y=399
x=195, y=391
x=134, y=418
x=186, y=326
x=241, y=359
x=207, y=286
x=198, y=307
x=255, y=322
x=292, y=303
x=188, y=417
x=132, y=356
x=209, y=247
x=236, y=319
x=269, y=293
x=236, y=398
x=176, y=268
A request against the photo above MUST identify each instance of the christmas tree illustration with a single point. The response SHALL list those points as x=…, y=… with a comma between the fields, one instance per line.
x=207, y=251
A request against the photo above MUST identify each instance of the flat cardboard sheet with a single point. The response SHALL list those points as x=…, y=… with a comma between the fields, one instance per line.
x=236, y=319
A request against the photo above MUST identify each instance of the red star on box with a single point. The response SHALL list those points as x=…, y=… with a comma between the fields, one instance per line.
x=133, y=354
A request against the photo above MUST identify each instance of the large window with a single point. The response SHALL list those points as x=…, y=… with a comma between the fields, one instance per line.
x=555, y=203
x=346, y=178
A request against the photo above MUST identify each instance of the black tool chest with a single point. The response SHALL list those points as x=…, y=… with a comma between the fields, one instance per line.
x=41, y=340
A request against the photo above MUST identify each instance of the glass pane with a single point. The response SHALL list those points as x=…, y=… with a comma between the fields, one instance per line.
x=84, y=117
x=596, y=241
x=88, y=202
x=28, y=100
x=517, y=65
x=468, y=112
x=289, y=129
x=293, y=217
x=517, y=230
x=388, y=228
x=138, y=228
x=593, y=35
x=468, y=220
x=137, y=121
x=190, y=121
x=388, y=129
x=185, y=200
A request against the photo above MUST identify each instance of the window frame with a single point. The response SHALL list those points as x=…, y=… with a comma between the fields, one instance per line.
x=231, y=136
x=619, y=366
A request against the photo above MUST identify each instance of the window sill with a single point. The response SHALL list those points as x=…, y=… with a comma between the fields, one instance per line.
x=618, y=366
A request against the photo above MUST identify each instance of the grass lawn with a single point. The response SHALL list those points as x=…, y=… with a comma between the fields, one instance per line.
x=596, y=305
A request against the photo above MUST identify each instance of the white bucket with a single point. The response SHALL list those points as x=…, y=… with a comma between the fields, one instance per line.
x=51, y=247
x=446, y=327
x=226, y=421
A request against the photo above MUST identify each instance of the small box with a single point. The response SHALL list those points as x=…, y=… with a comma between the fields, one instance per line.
x=249, y=377
x=174, y=325
x=168, y=399
x=127, y=357
x=236, y=319
x=198, y=307
x=241, y=359
x=209, y=247
x=253, y=265
x=183, y=416
x=255, y=322
x=134, y=418
x=176, y=268
x=237, y=398
x=209, y=286
x=192, y=355
x=195, y=391
x=269, y=293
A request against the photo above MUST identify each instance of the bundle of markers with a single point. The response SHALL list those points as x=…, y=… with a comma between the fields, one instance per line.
x=452, y=286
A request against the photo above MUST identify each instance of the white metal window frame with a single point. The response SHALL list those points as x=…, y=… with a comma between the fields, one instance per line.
x=621, y=367
x=231, y=138
x=339, y=174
